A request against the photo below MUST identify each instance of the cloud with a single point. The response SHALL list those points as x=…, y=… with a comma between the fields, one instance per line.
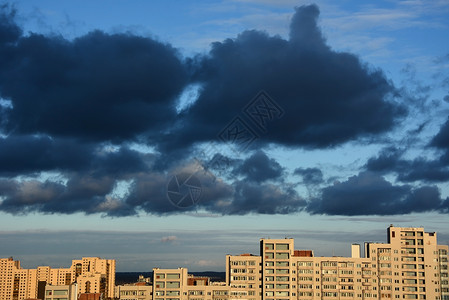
x=370, y=194
x=259, y=167
x=390, y=160
x=99, y=86
x=387, y=160
x=22, y=155
x=261, y=199
x=310, y=175
x=441, y=140
x=169, y=239
x=74, y=107
x=322, y=108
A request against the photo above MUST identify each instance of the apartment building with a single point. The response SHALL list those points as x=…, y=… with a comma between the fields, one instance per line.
x=176, y=284
x=93, y=275
x=243, y=275
x=411, y=265
x=134, y=292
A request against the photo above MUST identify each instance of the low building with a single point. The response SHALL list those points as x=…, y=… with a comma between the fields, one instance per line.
x=61, y=292
x=134, y=292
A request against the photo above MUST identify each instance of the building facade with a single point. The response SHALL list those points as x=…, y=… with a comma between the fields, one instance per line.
x=92, y=274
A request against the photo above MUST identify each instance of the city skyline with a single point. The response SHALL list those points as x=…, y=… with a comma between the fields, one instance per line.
x=105, y=109
x=411, y=264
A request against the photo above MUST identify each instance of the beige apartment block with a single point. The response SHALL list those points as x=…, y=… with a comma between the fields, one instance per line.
x=411, y=265
x=243, y=275
x=93, y=274
x=177, y=284
x=134, y=292
x=61, y=292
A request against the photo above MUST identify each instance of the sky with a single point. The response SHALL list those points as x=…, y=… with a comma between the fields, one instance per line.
x=171, y=133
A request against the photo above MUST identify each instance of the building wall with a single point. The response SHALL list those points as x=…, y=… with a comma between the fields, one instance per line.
x=134, y=292
x=7, y=269
x=244, y=272
x=61, y=292
x=169, y=284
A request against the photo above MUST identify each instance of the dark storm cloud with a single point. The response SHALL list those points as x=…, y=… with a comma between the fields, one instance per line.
x=79, y=195
x=259, y=167
x=266, y=198
x=9, y=30
x=99, y=86
x=310, y=175
x=370, y=194
x=74, y=106
x=328, y=97
x=389, y=159
x=20, y=155
x=28, y=154
x=441, y=140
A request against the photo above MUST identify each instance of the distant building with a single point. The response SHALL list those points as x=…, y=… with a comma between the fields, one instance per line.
x=93, y=275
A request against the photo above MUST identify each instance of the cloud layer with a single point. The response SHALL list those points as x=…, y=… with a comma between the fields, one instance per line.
x=100, y=112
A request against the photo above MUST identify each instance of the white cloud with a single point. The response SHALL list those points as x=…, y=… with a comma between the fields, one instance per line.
x=169, y=239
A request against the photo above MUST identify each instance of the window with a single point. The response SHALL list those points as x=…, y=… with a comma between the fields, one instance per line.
x=172, y=293
x=173, y=284
x=173, y=276
x=282, y=278
x=282, y=255
x=282, y=286
x=281, y=246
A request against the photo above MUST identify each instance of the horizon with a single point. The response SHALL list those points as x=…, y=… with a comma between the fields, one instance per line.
x=27, y=265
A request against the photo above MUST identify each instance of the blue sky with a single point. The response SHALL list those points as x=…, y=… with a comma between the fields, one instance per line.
x=98, y=114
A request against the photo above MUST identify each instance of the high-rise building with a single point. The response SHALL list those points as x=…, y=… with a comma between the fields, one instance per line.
x=92, y=274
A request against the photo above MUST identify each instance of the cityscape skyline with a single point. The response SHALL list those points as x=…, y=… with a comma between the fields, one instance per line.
x=409, y=265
